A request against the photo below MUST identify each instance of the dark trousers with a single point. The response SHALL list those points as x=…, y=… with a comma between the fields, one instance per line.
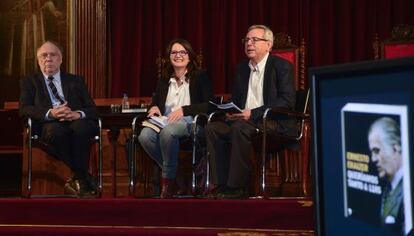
x=70, y=142
x=229, y=145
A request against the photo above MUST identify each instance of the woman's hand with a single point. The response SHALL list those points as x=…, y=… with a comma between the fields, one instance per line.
x=175, y=115
x=154, y=111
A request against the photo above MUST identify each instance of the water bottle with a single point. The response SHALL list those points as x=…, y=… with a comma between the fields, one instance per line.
x=125, y=102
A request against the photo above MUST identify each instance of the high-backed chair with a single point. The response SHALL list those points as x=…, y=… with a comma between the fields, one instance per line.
x=32, y=141
x=291, y=153
x=400, y=44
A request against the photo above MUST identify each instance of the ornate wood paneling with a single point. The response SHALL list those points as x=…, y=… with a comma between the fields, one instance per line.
x=91, y=47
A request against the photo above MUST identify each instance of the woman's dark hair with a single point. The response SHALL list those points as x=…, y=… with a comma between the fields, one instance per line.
x=167, y=69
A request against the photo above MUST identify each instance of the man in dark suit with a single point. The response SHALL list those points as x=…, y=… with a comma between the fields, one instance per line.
x=64, y=115
x=261, y=82
x=384, y=138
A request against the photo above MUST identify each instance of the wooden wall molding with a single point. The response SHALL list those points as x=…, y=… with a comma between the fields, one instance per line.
x=91, y=45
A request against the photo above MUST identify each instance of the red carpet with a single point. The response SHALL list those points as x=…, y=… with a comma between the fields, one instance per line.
x=155, y=217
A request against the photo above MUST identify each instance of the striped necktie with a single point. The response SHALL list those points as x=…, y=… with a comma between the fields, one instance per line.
x=54, y=89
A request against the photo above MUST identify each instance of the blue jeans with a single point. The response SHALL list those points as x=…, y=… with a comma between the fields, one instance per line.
x=163, y=147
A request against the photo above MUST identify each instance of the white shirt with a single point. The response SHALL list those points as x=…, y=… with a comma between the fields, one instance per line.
x=177, y=97
x=255, y=91
x=397, y=177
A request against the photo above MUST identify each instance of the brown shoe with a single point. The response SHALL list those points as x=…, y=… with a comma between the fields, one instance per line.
x=215, y=190
x=72, y=186
x=78, y=187
x=167, y=189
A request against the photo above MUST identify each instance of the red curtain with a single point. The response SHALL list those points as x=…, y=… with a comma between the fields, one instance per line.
x=337, y=31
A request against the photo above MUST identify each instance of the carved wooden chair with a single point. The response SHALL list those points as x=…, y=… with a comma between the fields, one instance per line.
x=400, y=44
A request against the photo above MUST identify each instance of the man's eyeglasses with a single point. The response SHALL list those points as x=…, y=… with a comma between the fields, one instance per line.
x=51, y=55
x=179, y=53
x=253, y=39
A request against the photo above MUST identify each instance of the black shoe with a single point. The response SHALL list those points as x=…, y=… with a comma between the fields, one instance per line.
x=215, y=191
x=83, y=186
x=92, y=183
x=234, y=193
x=85, y=191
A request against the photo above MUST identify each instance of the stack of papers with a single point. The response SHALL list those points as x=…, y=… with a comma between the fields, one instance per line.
x=156, y=123
x=227, y=107
x=160, y=121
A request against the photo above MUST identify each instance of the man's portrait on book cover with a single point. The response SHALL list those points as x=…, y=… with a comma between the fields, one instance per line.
x=376, y=165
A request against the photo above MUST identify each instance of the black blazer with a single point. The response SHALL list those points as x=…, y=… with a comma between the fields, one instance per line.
x=278, y=87
x=200, y=93
x=35, y=100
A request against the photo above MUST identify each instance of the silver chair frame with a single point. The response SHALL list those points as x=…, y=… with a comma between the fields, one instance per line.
x=194, y=136
x=34, y=137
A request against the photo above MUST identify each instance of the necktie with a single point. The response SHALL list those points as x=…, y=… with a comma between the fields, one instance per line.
x=54, y=90
x=386, y=202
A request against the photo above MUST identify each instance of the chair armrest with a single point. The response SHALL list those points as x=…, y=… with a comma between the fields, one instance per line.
x=135, y=124
x=283, y=113
x=29, y=127
x=99, y=136
x=216, y=116
x=201, y=119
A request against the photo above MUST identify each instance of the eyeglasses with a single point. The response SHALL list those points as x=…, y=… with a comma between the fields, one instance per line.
x=51, y=55
x=179, y=53
x=253, y=39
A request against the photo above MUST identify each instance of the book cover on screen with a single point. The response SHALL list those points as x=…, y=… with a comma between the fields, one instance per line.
x=376, y=169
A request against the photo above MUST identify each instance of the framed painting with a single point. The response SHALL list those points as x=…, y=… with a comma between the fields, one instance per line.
x=24, y=25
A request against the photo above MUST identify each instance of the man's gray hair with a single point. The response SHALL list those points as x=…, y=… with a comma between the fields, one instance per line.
x=392, y=132
x=52, y=42
x=268, y=33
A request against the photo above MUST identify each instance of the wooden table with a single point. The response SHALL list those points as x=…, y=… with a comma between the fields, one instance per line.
x=115, y=122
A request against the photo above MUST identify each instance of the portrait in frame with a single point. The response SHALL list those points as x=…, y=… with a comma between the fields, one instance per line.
x=24, y=26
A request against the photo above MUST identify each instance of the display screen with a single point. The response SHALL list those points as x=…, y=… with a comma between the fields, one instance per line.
x=362, y=147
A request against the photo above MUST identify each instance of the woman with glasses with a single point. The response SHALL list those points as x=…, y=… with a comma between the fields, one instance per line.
x=182, y=92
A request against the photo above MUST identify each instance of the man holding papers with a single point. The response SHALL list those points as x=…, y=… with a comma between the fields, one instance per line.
x=182, y=92
x=261, y=82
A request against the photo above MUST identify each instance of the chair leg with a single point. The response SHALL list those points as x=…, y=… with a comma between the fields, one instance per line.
x=100, y=165
x=193, y=166
x=305, y=159
x=132, y=165
x=263, y=173
x=30, y=167
x=262, y=190
x=207, y=186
